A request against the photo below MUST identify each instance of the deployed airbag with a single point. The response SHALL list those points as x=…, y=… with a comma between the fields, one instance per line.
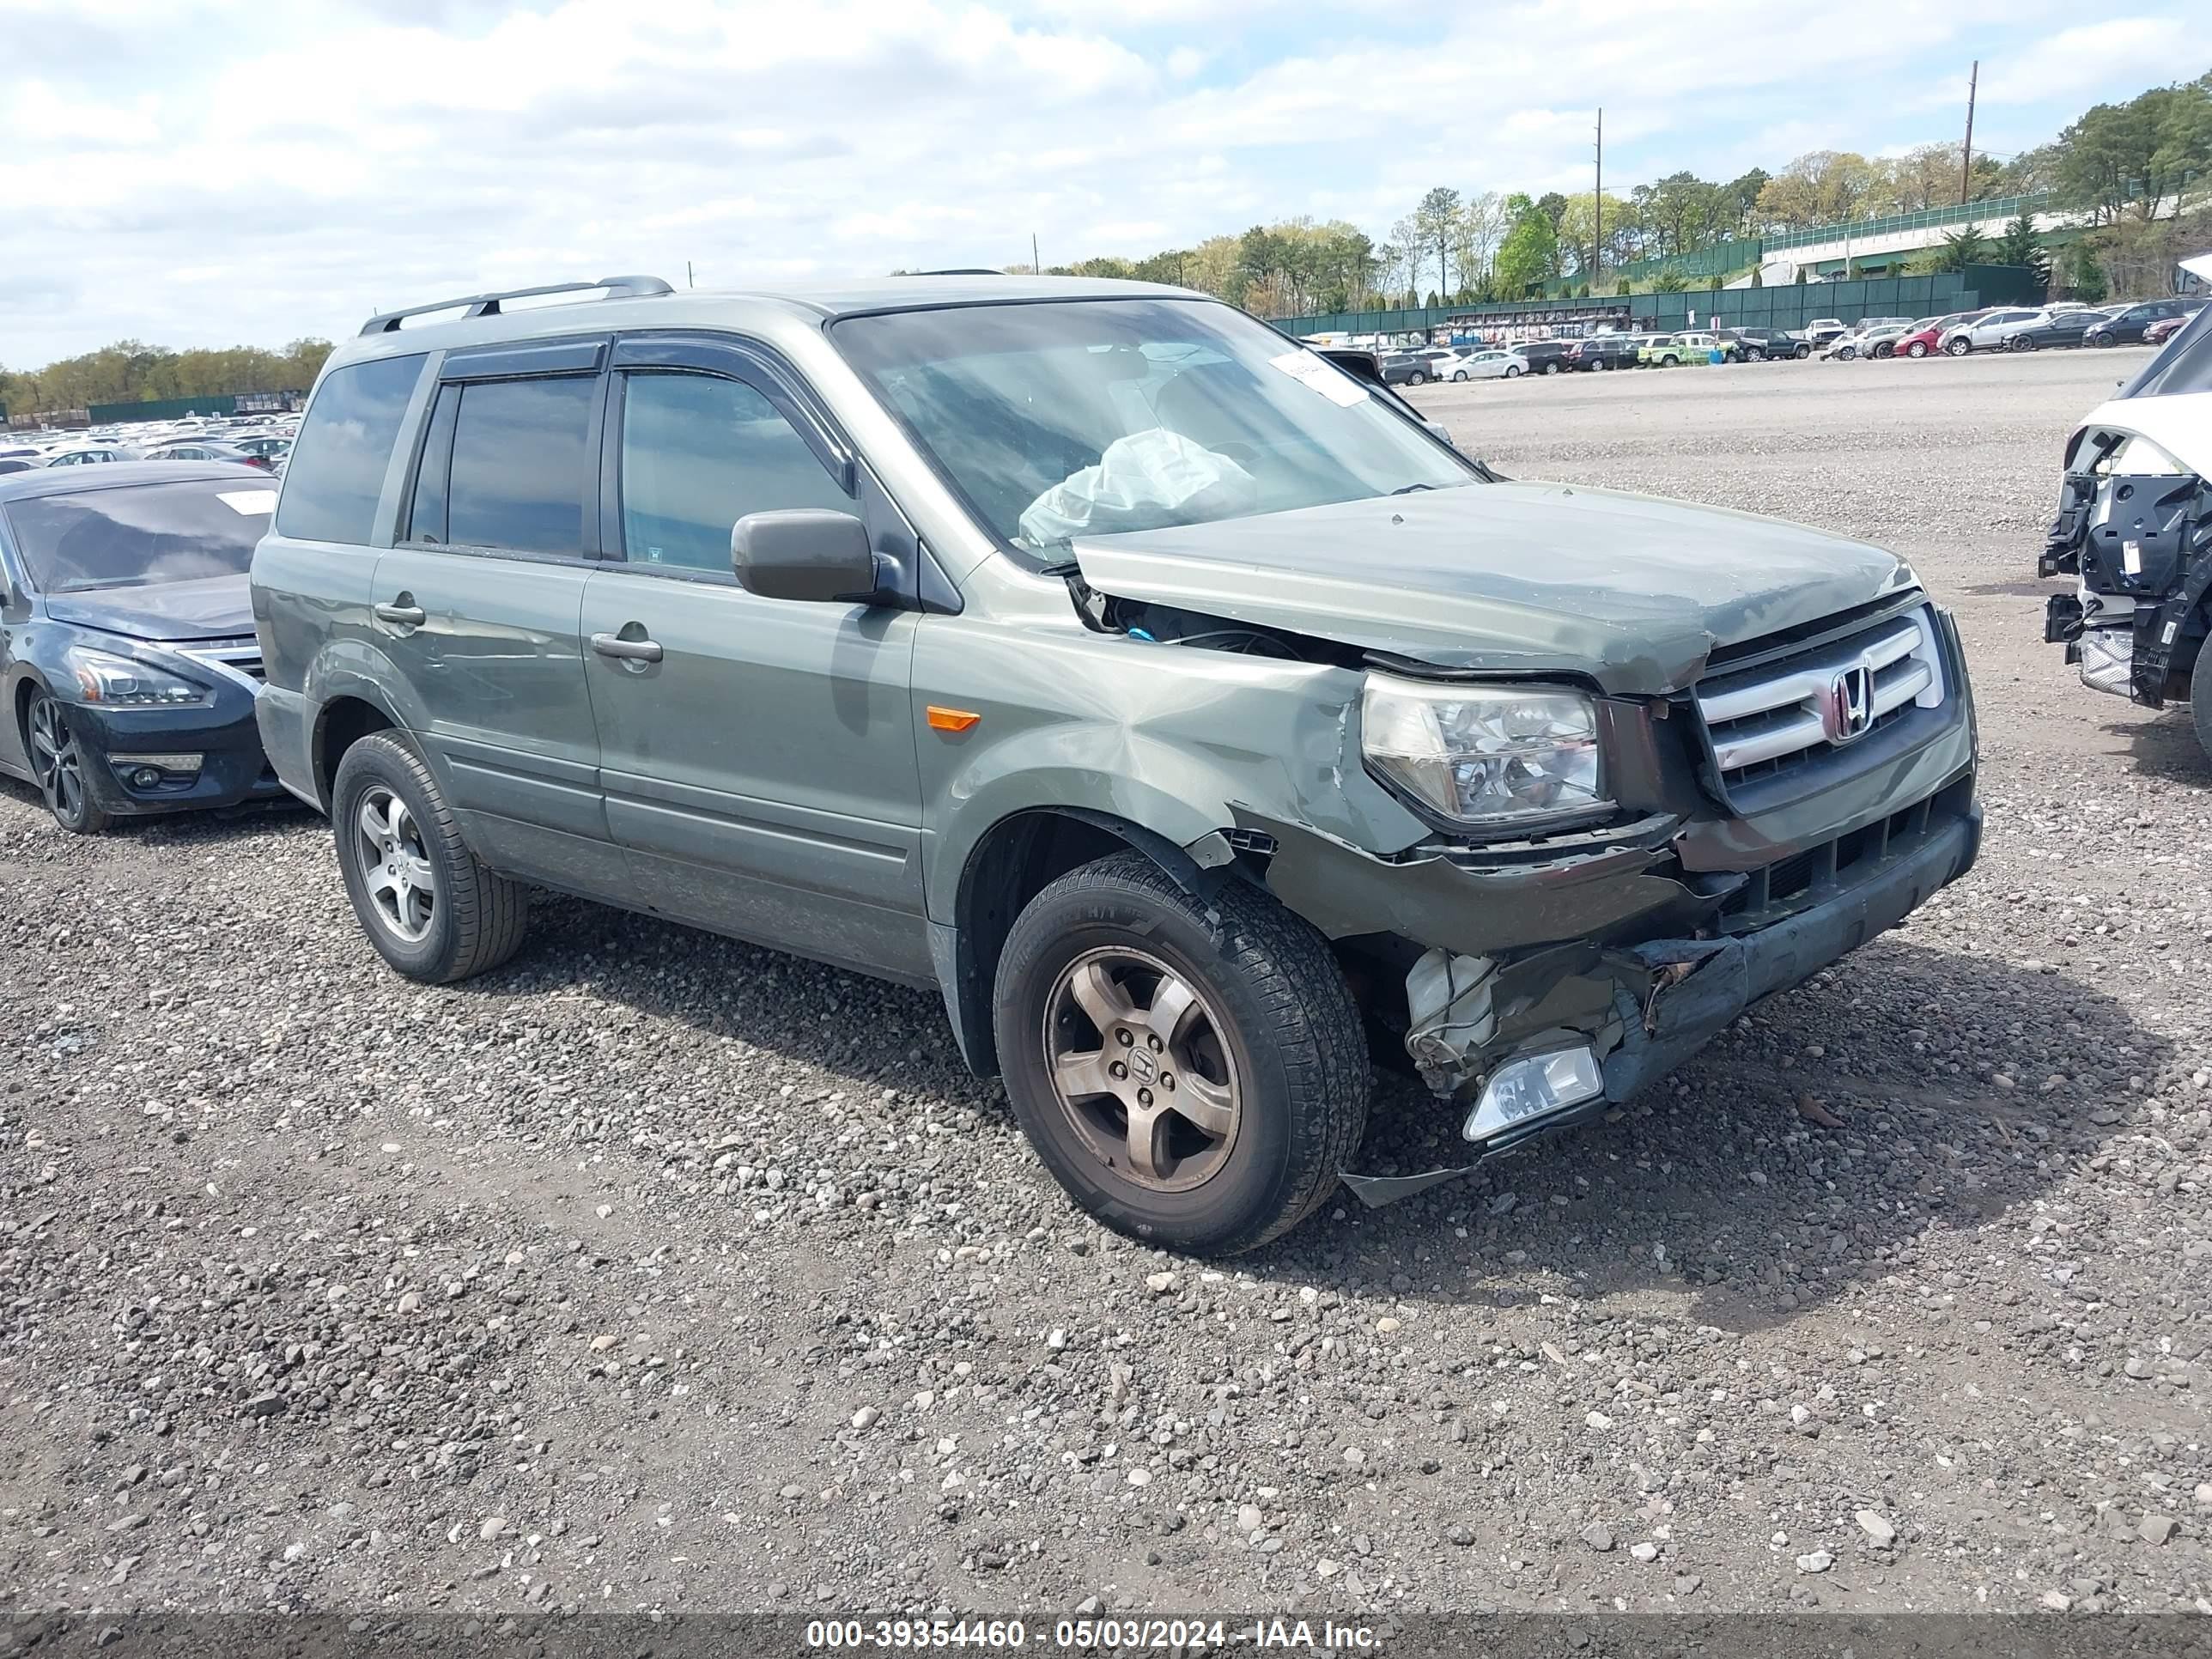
x=1145, y=481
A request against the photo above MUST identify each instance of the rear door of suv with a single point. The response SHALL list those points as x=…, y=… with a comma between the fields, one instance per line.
x=758, y=754
x=478, y=605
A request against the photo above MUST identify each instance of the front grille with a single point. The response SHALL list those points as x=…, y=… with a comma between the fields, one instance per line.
x=1793, y=713
x=242, y=658
x=1808, y=876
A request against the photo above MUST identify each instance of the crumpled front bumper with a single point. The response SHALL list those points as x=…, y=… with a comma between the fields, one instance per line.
x=1674, y=974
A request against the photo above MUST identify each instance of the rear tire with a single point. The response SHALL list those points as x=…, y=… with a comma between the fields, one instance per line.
x=1552, y=368
x=473, y=918
x=1803, y=351
x=1918, y=349
x=1268, y=1011
x=2020, y=342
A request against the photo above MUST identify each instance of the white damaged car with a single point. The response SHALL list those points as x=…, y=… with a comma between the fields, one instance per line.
x=2134, y=531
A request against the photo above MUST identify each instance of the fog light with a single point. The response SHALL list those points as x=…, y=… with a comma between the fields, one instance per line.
x=1534, y=1087
x=158, y=762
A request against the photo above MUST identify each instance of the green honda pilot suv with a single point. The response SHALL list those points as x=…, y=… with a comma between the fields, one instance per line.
x=1170, y=698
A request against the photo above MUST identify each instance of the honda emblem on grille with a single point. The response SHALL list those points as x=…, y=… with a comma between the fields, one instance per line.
x=1847, y=709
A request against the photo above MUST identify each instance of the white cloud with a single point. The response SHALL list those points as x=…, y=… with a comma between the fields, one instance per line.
x=206, y=171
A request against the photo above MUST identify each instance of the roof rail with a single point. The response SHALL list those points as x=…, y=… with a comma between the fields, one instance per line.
x=487, y=305
x=962, y=270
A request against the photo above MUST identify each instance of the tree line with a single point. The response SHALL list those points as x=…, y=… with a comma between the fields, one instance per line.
x=132, y=372
x=2124, y=164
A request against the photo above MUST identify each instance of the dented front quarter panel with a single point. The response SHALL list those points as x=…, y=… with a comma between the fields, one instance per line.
x=1172, y=740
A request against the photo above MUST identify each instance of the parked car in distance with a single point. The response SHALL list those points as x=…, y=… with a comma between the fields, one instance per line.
x=18, y=464
x=1756, y=344
x=207, y=449
x=1404, y=368
x=2164, y=329
x=1821, y=329
x=1925, y=339
x=1490, y=363
x=96, y=455
x=1987, y=330
x=1544, y=357
x=128, y=658
x=1605, y=351
x=2053, y=328
x=1026, y=588
x=1877, y=337
x=1666, y=350
x=2129, y=325
x=269, y=447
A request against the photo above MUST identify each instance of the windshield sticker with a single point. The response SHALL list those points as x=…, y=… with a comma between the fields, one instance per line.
x=250, y=502
x=1323, y=376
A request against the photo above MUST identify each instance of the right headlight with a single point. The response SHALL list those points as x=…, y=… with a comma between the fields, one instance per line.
x=122, y=681
x=1507, y=757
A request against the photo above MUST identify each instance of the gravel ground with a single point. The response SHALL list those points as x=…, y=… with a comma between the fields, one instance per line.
x=656, y=1272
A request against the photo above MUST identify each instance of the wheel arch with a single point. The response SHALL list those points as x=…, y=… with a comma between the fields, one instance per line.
x=341, y=721
x=1009, y=865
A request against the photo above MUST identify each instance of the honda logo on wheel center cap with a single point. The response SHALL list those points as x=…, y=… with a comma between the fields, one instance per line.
x=1142, y=1065
x=1847, y=707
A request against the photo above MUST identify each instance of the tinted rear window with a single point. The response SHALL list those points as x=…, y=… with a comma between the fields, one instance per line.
x=337, y=466
x=141, y=534
x=519, y=474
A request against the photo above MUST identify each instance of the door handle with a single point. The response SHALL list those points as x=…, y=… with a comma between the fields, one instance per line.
x=613, y=645
x=409, y=616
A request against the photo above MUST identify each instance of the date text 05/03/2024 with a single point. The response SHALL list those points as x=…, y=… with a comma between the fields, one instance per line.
x=1080, y=1635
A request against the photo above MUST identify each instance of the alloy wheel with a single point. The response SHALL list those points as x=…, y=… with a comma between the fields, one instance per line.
x=1141, y=1068
x=56, y=761
x=394, y=865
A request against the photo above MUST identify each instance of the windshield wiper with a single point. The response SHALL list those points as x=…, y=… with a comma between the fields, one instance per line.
x=1407, y=489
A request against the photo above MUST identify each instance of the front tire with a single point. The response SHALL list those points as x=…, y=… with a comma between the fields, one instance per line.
x=1417, y=379
x=433, y=910
x=1552, y=368
x=1196, y=1082
x=1803, y=351
x=1960, y=347
x=2020, y=342
x=60, y=764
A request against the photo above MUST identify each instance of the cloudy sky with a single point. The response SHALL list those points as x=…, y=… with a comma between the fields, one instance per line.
x=205, y=173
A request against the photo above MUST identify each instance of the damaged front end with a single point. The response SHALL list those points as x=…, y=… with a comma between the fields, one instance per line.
x=1546, y=981
x=2134, y=529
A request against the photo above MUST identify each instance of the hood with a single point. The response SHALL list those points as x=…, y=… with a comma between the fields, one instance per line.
x=206, y=608
x=1629, y=590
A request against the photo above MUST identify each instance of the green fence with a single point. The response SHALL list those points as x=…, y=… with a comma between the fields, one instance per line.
x=1792, y=306
x=1740, y=253
x=162, y=409
x=1937, y=219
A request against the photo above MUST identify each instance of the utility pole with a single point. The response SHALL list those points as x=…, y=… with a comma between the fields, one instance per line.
x=687, y=274
x=1035, y=268
x=1597, y=209
x=1967, y=160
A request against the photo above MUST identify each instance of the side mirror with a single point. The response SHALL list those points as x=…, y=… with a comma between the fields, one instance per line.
x=1438, y=430
x=807, y=553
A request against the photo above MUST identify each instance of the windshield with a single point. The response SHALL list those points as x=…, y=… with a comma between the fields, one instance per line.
x=141, y=534
x=1093, y=416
